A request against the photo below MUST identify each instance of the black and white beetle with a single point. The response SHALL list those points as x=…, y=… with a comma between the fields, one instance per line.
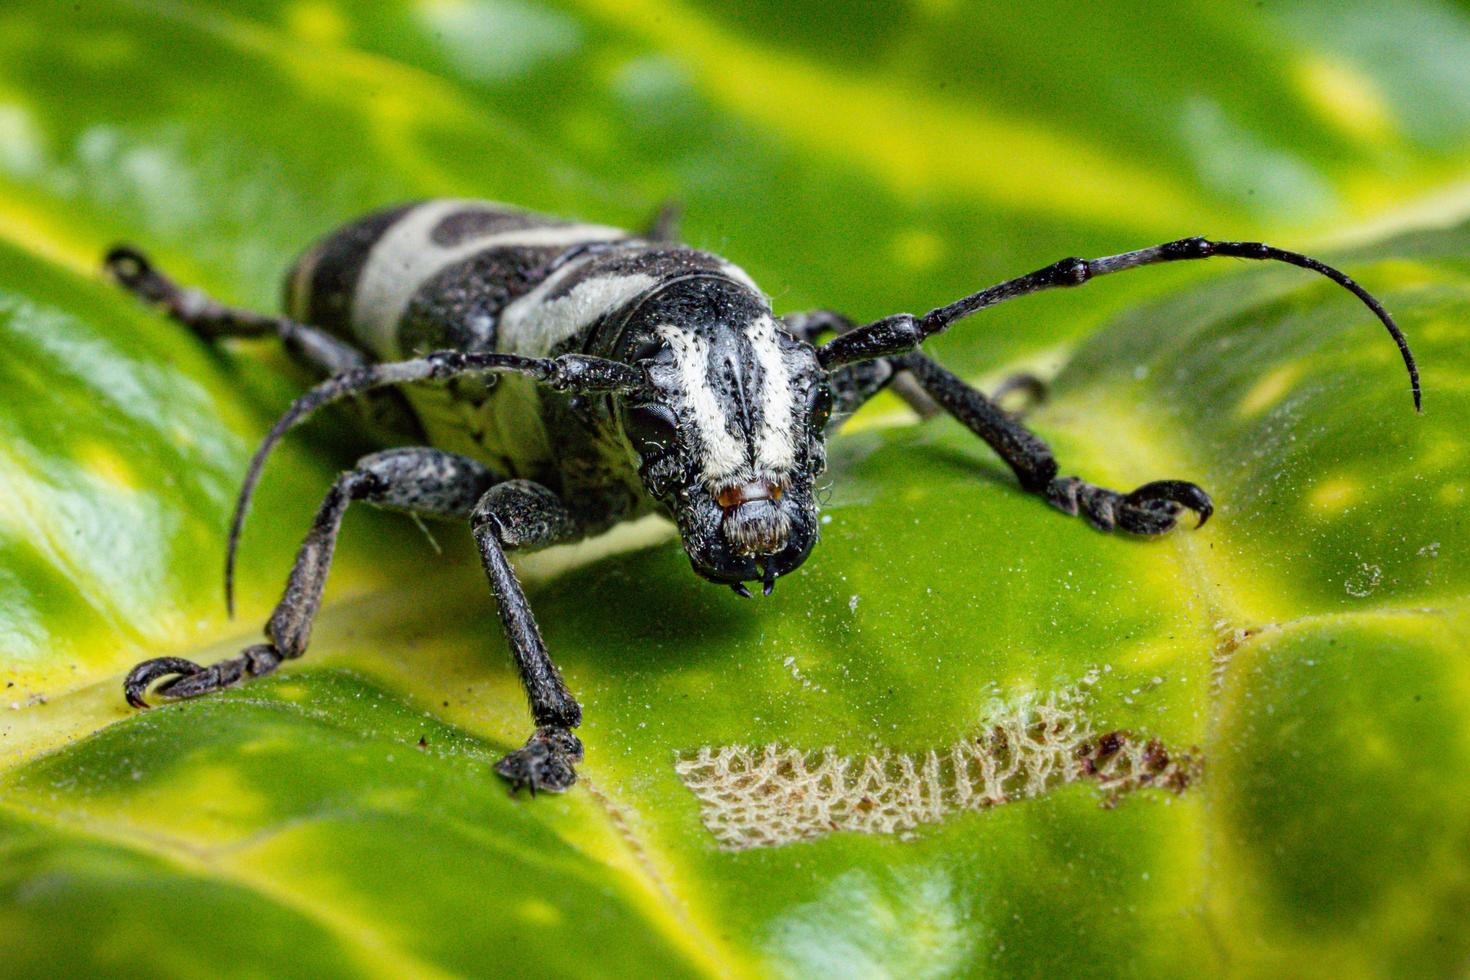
x=570, y=376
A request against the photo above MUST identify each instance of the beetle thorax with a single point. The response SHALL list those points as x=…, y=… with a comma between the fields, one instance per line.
x=734, y=388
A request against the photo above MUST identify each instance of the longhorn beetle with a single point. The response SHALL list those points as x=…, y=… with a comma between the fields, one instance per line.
x=563, y=377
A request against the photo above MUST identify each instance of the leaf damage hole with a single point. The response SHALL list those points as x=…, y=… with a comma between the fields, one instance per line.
x=774, y=795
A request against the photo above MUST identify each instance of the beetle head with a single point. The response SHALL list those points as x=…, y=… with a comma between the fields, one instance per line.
x=729, y=434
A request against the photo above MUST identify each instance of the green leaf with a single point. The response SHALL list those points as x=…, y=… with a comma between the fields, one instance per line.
x=971, y=735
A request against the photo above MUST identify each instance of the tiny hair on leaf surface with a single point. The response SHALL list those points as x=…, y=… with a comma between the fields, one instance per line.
x=1299, y=659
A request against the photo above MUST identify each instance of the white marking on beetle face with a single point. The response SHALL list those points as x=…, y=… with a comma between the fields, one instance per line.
x=406, y=257
x=533, y=325
x=775, y=447
x=723, y=455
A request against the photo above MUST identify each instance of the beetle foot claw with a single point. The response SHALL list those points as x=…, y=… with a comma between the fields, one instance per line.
x=134, y=272
x=192, y=680
x=1172, y=497
x=136, y=684
x=1152, y=509
x=544, y=763
x=126, y=264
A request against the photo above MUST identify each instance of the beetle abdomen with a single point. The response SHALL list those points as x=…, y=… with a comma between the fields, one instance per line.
x=321, y=284
x=431, y=275
x=479, y=276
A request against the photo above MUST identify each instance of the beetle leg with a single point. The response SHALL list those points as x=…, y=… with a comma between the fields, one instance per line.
x=1151, y=509
x=1028, y=384
x=428, y=482
x=311, y=347
x=520, y=514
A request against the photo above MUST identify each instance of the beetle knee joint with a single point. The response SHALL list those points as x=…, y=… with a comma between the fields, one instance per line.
x=1038, y=475
x=484, y=518
x=1190, y=248
x=360, y=483
x=1071, y=271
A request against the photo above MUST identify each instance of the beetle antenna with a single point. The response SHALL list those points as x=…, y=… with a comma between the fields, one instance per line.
x=904, y=332
x=575, y=373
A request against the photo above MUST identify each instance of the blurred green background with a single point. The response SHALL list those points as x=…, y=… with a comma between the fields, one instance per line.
x=1305, y=652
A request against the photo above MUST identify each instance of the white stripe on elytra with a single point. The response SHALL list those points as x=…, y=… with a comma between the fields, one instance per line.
x=406, y=257
x=740, y=275
x=533, y=324
x=775, y=447
x=724, y=456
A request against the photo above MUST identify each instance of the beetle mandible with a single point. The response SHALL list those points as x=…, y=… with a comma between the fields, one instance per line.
x=564, y=377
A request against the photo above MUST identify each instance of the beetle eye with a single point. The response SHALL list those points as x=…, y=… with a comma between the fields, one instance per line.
x=651, y=426
x=819, y=404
